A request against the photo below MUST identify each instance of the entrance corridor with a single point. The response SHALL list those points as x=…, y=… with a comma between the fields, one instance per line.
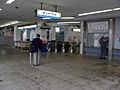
x=58, y=71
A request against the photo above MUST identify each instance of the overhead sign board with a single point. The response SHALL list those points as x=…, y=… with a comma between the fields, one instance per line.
x=48, y=14
x=27, y=27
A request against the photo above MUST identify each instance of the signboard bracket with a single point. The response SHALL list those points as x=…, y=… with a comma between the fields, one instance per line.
x=54, y=6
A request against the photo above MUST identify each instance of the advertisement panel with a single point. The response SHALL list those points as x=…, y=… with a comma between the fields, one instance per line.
x=98, y=27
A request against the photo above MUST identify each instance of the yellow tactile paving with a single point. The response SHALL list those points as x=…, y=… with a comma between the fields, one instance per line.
x=93, y=64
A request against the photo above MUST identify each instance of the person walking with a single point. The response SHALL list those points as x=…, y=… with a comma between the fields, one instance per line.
x=38, y=45
x=103, y=44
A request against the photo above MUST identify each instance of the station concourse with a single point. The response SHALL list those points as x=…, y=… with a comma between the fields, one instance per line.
x=71, y=32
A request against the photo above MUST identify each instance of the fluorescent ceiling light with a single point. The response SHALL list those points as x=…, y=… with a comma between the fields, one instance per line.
x=77, y=30
x=10, y=23
x=0, y=9
x=10, y=1
x=67, y=18
x=46, y=18
x=96, y=12
x=115, y=9
x=67, y=22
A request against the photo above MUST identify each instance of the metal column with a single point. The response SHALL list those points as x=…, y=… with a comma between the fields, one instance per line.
x=15, y=33
x=111, y=28
x=82, y=37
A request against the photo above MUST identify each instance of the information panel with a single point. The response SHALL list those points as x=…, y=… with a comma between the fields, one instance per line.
x=48, y=14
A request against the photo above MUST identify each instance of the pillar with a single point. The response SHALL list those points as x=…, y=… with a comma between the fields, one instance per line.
x=111, y=28
x=5, y=31
x=17, y=34
x=82, y=37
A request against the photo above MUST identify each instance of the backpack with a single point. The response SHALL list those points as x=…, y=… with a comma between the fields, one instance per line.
x=32, y=48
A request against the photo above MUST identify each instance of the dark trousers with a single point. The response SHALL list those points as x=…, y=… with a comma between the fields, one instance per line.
x=103, y=52
x=106, y=54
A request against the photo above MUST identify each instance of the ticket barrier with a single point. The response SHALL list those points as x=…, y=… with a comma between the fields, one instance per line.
x=52, y=47
x=58, y=47
x=73, y=47
x=66, y=47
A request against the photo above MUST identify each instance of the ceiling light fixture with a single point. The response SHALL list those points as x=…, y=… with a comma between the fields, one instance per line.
x=67, y=22
x=10, y=23
x=76, y=30
x=10, y=1
x=57, y=29
x=98, y=12
x=0, y=9
x=67, y=18
x=46, y=18
x=115, y=9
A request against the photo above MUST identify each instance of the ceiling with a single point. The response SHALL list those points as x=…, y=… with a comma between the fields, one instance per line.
x=25, y=10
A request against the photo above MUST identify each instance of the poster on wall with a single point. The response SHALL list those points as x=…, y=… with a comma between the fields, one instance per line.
x=117, y=45
x=98, y=27
x=118, y=37
x=93, y=39
x=96, y=40
x=90, y=40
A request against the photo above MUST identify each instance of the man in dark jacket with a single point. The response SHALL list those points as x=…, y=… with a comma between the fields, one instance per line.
x=103, y=44
x=38, y=44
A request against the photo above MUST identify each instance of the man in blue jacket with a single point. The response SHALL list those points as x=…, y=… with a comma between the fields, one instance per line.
x=38, y=44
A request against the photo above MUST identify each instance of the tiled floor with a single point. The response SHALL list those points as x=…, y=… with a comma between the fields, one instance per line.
x=57, y=72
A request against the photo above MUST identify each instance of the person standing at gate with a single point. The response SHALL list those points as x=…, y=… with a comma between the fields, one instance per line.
x=103, y=44
x=74, y=44
x=75, y=40
x=38, y=44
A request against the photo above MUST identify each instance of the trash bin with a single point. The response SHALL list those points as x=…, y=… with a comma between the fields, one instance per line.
x=44, y=47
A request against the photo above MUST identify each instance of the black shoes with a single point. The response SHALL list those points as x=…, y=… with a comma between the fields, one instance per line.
x=36, y=65
x=102, y=58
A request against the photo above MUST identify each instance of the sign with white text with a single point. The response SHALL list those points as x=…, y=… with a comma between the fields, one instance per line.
x=48, y=14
